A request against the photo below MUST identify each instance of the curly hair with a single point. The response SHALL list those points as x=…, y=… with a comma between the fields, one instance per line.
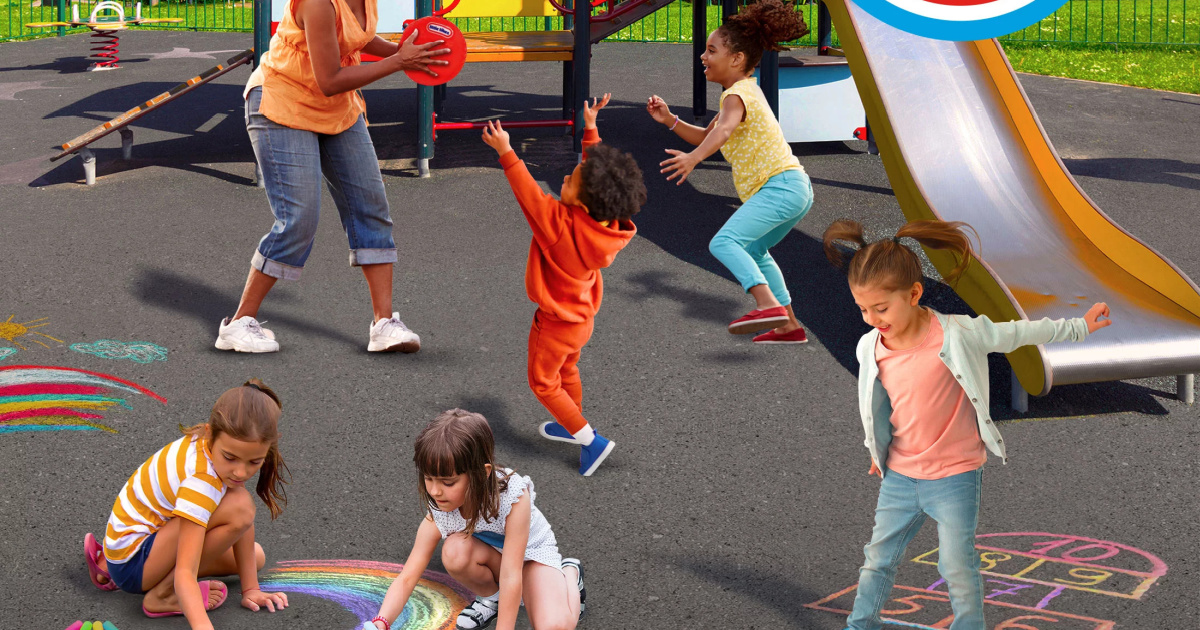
x=760, y=27
x=612, y=184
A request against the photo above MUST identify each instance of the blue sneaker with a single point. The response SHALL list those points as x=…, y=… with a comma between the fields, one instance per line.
x=594, y=454
x=557, y=432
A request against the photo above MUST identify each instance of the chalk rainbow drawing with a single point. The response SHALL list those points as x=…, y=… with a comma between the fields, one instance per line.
x=359, y=587
x=12, y=331
x=50, y=398
x=136, y=351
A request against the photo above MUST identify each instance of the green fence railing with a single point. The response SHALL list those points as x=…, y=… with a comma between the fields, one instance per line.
x=1157, y=22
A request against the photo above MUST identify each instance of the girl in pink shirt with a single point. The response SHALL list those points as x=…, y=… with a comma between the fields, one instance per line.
x=923, y=398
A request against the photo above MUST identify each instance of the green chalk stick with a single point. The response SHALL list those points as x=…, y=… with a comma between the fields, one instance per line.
x=87, y=625
x=109, y=626
x=75, y=626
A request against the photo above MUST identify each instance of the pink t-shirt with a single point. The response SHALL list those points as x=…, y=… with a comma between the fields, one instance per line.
x=934, y=430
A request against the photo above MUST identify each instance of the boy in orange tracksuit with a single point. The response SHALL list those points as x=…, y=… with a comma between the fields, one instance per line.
x=574, y=237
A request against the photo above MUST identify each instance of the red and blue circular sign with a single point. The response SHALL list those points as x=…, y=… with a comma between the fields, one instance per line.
x=960, y=20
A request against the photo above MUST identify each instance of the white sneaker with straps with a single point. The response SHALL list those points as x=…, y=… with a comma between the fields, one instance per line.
x=391, y=335
x=480, y=614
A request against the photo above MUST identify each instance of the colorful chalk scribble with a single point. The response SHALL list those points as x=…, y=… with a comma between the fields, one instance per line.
x=48, y=398
x=136, y=351
x=359, y=587
x=12, y=331
x=7, y=352
x=1032, y=580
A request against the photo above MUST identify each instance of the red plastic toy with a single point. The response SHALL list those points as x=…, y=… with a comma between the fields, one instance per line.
x=431, y=29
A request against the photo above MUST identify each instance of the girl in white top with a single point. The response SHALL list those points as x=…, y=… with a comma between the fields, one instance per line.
x=497, y=543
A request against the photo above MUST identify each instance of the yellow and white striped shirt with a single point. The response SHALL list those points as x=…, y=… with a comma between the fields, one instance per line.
x=179, y=481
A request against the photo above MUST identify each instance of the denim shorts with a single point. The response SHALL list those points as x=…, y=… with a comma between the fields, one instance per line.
x=293, y=162
x=128, y=574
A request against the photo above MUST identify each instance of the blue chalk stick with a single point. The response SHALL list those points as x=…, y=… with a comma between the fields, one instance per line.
x=109, y=626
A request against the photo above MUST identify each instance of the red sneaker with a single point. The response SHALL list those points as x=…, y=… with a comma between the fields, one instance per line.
x=759, y=320
x=796, y=336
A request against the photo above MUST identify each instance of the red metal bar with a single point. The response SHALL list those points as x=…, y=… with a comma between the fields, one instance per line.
x=516, y=124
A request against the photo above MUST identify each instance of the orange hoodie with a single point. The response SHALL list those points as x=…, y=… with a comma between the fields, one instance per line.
x=569, y=247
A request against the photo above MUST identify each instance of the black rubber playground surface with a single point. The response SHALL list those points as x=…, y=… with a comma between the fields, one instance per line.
x=737, y=496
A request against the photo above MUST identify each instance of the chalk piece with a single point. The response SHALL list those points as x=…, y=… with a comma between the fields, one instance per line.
x=87, y=625
x=97, y=625
x=75, y=626
x=108, y=624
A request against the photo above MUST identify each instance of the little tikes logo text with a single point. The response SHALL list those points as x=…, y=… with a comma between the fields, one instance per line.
x=960, y=20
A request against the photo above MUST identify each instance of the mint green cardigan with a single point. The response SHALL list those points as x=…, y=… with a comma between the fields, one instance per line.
x=965, y=346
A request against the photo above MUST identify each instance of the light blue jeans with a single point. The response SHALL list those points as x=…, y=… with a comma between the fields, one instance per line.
x=742, y=244
x=293, y=162
x=903, y=505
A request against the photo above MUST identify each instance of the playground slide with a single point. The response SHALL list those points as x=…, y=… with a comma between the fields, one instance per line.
x=961, y=142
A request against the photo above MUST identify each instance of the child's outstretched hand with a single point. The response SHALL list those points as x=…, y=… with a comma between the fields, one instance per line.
x=589, y=112
x=255, y=599
x=679, y=166
x=496, y=137
x=875, y=470
x=1092, y=317
x=658, y=110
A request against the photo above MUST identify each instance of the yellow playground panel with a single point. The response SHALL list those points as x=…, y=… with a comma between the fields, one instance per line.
x=502, y=8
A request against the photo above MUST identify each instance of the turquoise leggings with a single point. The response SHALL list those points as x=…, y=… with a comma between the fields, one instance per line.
x=742, y=243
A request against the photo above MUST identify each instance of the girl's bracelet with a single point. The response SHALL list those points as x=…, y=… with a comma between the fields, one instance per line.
x=675, y=123
x=385, y=622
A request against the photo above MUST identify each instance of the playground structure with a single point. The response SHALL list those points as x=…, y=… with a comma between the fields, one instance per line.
x=80, y=144
x=977, y=153
x=106, y=20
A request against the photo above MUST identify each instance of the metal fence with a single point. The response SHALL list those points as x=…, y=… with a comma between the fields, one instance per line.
x=1169, y=22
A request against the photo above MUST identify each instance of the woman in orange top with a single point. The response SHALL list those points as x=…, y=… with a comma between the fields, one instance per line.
x=306, y=119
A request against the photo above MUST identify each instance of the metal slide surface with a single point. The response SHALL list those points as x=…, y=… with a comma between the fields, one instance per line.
x=961, y=143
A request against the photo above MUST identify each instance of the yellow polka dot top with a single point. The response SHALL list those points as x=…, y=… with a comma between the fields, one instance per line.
x=756, y=149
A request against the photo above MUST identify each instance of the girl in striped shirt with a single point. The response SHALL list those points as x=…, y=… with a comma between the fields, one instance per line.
x=193, y=494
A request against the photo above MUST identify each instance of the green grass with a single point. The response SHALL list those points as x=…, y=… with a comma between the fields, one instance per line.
x=236, y=16
x=1157, y=67
x=1050, y=47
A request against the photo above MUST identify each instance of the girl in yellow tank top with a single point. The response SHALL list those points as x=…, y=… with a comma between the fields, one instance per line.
x=775, y=191
x=307, y=122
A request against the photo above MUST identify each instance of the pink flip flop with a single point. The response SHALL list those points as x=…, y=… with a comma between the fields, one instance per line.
x=92, y=551
x=204, y=590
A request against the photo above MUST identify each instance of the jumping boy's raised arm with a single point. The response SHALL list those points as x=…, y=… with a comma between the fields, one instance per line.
x=402, y=587
x=544, y=213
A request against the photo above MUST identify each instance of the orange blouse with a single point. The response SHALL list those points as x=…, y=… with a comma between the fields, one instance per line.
x=290, y=95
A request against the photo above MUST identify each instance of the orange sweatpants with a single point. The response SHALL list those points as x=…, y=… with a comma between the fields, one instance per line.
x=554, y=347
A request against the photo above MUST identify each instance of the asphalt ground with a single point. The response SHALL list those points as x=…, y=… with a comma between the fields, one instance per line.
x=738, y=491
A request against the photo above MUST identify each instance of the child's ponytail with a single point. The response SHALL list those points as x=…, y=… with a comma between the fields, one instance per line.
x=251, y=413
x=762, y=26
x=890, y=265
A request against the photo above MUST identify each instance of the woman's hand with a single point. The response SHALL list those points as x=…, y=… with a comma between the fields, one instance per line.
x=679, y=166
x=255, y=599
x=1092, y=317
x=589, y=113
x=658, y=110
x=413, y=56
x=496, y=137
x=875, y=470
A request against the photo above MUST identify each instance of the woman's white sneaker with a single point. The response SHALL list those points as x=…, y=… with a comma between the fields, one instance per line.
x=391, y=335
x=245, y=334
